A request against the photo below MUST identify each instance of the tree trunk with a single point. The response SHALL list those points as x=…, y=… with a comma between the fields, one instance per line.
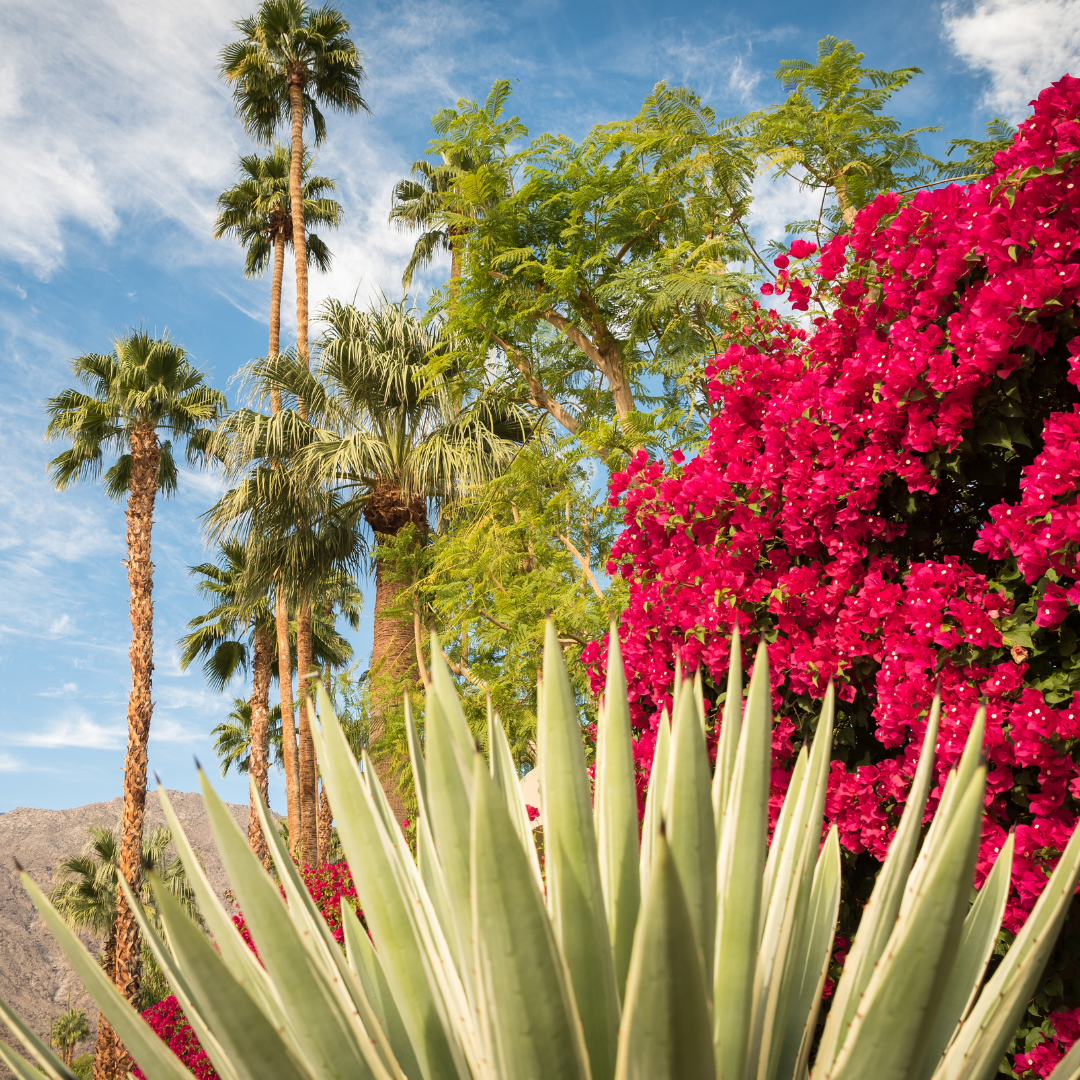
x=309, y=795
x=288, y=720
x=275, y=293
x=326, y=821
x=106, y=1045
x=393, y=660
x=260, y=754
x=296, y=78
x=145, y=455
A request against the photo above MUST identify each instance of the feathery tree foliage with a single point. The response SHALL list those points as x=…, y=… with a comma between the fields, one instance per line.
x=68, y=1030
x=146, y=386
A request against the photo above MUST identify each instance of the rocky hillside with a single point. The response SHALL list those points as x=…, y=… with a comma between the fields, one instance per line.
x=35, y=977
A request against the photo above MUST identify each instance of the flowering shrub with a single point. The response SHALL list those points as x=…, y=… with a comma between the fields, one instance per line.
x=328, y=885
x=888, y=497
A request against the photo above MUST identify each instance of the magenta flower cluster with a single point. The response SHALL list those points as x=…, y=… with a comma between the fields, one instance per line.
x=930, y=311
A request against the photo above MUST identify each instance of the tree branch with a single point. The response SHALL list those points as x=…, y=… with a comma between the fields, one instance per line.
x=584, y=565
x=540, y=397
x=501, y=626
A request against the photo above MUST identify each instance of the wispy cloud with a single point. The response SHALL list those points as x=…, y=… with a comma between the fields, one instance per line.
x=74, y=730
x=64, y=690
x=1021, y=46
x=10, y=763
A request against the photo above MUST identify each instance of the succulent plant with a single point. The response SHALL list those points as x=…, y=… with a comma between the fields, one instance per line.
x=700, y=952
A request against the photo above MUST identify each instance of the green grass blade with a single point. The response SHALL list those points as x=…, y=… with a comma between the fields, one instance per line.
x=688, y=816
x=879, y=915
x=976, y=947
x=416, y=754
x=506, y=780
x=444, y=688
x=666, y=1032
x=730, y=725
x=654, y=799
x=575, y=896
x=779, y=842
x=740, y=874
x=50, y=1064
x=533, y=1025
x=887, y=1037
x=615, y=807
x=150, y=1053
x=1068, y=1068
x=24, y=1070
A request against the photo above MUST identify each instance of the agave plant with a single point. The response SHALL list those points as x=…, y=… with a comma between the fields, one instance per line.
x=699, y=953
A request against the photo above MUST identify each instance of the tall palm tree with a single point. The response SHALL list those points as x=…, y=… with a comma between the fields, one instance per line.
x=390, y=439
x=145, y=387
x=419, y=205
x=257, y=211
x=86, y=894
x=290, y=60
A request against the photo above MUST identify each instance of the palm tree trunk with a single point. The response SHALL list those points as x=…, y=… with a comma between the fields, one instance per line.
x=145, y=455
x=260, y=722
x=393, y=657
x=106, y=1044
x=326, y=820
x=296, y=204
x=288, y=719
x=275, y=294
x=309, y=795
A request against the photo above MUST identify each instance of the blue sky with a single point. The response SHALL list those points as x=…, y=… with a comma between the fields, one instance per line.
x=117, y=137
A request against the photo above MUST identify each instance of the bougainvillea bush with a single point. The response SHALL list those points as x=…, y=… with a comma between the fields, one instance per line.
x=888, y=495
x=328, y=885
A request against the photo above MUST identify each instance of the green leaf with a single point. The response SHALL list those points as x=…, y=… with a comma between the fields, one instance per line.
x=976, y=947
x=615, y=806
x=151, y=1054
x=666, y=1032
x=506, y=780
x=575, y=896
x=688, y=817
x=887, y=1036
x=879, y=915
x=51, y=1065
x=654, y=799
x=1068, y=1068
x=739, y=876
x=533, y=1025
x=730, y=724
x=24, y=1070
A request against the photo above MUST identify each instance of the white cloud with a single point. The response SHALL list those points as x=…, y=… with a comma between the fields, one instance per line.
x=60, y=626
x=10, y=763
x=75, y=730
x=1022, y=46
x=779, y=200
x=174, y=731
x=65, y=690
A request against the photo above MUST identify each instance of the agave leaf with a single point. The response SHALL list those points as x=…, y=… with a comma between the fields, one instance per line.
x=444, y=688
x=416, y=755
x=976, y=946
x=666, y=1032
x=688, y=815
x=730, y=725
x=575, y=896
x=365, y=963
x=739, y=876
x=1068, y=1068
x=615, y=805
x=654, y=799
x=533, y=1025
x=403, y=924
x=779, y=842
x=50, y=1064
x=506, y=780
x=251, y=1043
x=993, y=1018
x=152, y=1055
x=879, y=915
x=324, y=1021
x=887, y=1037
x=811, y=966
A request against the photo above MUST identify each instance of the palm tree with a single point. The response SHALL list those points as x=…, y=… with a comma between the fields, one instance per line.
x=291, y=59
x=86, y=897
x=257, y=212
x=146, y=386
x=68, y=1030
x=419, y=205
x=391, y=439
x=232, y=737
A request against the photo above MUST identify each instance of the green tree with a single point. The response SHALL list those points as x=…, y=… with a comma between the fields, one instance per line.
x=257, y=211
x=68, y=1030
x=831, y=136
x=978, y=159
x=145, y=387
x=85, y=894
x=290, y=60
x=233, y=738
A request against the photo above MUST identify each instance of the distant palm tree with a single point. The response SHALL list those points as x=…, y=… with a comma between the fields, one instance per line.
x=291, y=59
x=419, y=205
x=257, y=212
x=145, y=387
x=86, y=898
x=68, y=1030
x=232, y=737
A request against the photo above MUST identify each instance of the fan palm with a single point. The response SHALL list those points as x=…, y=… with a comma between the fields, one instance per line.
x=390, y=439
x=86, y=894
x=290, y=60
x=145, y=387
x=68, y=1030
x=257, y=212
x=233, y=740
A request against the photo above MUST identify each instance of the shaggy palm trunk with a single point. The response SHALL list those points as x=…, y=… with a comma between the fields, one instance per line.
x=326, y=820
x=393, y=659
x=309, y=795
x=145, y=455
x=260, y=722
x=288, y=720
x=106, y=1043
